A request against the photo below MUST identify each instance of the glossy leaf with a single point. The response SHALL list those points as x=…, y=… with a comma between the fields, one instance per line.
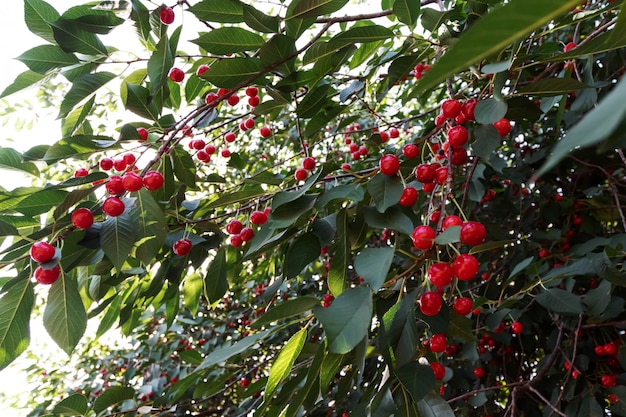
x=560, y=301
x=385, y=190
x=223, y=354
x=490, y=110
x=222, y=11
x=341, y=250
x=38, y=16
x=13, y=160
x=231, y=72
x=72, y=39
x=312, y=8
x=118, y=235
x=301, y=253
x=24, y=80
x=159, y=65
x=373, y=264
x=278, y=53
x=347, y=319
x=229, y=40
x=138, y=101
x=215, y=280
x=553, y=87
x=44, y=58
x=406, y=11
x=112, y=396
x=434, y=406
x=151, y=227
x=64, y=317
x=362, y=34
x=40, y=202
x=83, y=87
x=417, y=379
x=287, y=309
x=184, y=167
x=284, y=361
x=313, y=101
x=74, y=405
x=259, y=21
x=16, y=305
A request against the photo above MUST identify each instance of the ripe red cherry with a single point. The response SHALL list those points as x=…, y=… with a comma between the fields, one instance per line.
x=345, y=167
x=428, y=187
x=182, y=246
x=132, y=181
x=468, y=109
x=47, y=276
x=106, y=164
x=479, y=372
x=153, y=180
x=244, y=382
x=409, y=197
x=504, y=127
x=465, y=267
x=258, y=217
x=254, y=101
x=440, y=274
x=517, y=327
x=425, y=173
x=430, y=303
x=389, y=164
x=249, y=123
x=458, y=136
x=42, y=252
x=462, y=306
x=384, y=137
x=441, y=175
x=610, y=348
x=451, y=220
x=113, y=206
x=210, y=149
x=439, y=370
x=81, y=172
x=225, y=153
x=394, y=133
x=608, y=381
x=230, y=137
x=473, y=233
x=438, y=343
x=246, y=234
x=450, y=108
x=308, y=163
x=129, y=158
x=411, y=150
x=236, y=241
x=82, y=218
x=423, y=237
x=233, y=99
x=177, y=75
x=167, y=15
x=119, y=164
x=599, y=350
x=569, y=46
x=234, y=227
x=143, y=134
x=114, y=185
x=301, y=174
x=459, y=156
x=265, y=132
x=202, y=69
x=440, y=120
x=210, y=98
x=252, y=91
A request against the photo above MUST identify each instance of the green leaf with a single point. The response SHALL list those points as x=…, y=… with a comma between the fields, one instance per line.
x=434, y=406
x=490, y=110
x=595, y=126
x=313, y=101
x=492, y=34
x=407, y=11
x=287, y=214
x=393, y=219
x=597, y=299
x=553, y=87
x=280, y=48
x=65, y=317
x=117, y=235
x=417, y=379
x=487, y=139
x=159, y=65
x=385, y=190
x=83, y=86
x=451, y=235
x=215, y=280
x=229, y=40
x=341, y=255
x=284, y=361
x=110, y=316
x=40, y=202
x=74, y=120
x=313, y=8
x=38, y=16
x=353, y=192
x=13, y=160
x=184, y=166
x=73, y=39
x=74, y=405
x=236, y=197
x=15, y=309
x=222, y=354
x=300, y=254
x=259, y=21
x=287, y=309
x=346, y=322
x=521, y=266
x=151, y=227
x=231, y=72
x=22, y=81
x=139, y=101
x=560, y=301
x=362, y=34
x=112, y=396
x=44, y=58
x=92, y=20
x=221, y=11
x=373, y=265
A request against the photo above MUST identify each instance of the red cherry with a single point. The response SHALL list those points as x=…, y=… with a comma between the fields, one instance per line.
x=129, y=158
x=234, y=227
x=440, y=274
x=42, y=252
x=389, y=164
x=457, y=136
x=439, y=370
x=517, y=327
x=504, y=127
x=430, y=303
x=411, y=150
x=599, y=350
x=409, y=197
x=244, y=382
x=210, y=149
x=569, y=46
x=428, y=187
x=252, y=91
x=363, y=150
x=468, y=109
x=434, y=216
x=210, y=98
x=440, y=120
x=394, y=133
x=345, y=167
x=254, y=101
x=236, y=241
x=106, y=164
x=119, y=164
x=384, y=137
x=47, y=276
x=441, y=175
x=225, y=153
x=425, y=173
x=233, y=99
x=143, y=134
x=114, y=185
x=459, y=156
x=450, y=108
x=610, y=349
x=423, y=237
x=202, y=69
x=265, y=132
x=132, y=181
x=258, y=217
x=246, y=234
x=308, y=163
x=462, y=306
x=249, y=123
x=465, y=267
x=451, y=220
x=81, y=172
x=544, y=253
x=203, y=156
x=229, y=137
x=113, y=206
x=153, y=180
x=438, y=343
x=176, y=74
x=608, y=381
x=167, y=15
x=473, y=233
x=479, y=372
x=301, y=174
x=182, y=246
x=82, y=218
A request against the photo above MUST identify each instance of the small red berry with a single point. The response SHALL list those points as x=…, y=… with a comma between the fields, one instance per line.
x=177, y=75
x=225, y=153
x=308, y=163
x=409, y=197
x=504, y=127
x=113, y=206
x=517, y=327
x=457, y=136
x=153, y=180
x=210, y=98
x=81, y=172
x=233, y=99
x=430, y=303
x=182, y=246
x=246, y=234
x=167, y=15
x=47, y=276
x=230, y=137
x=389, y=164
x=438, y=343
x=254, y=101
x=473, y=233
x=462, y=306
x=234, y=227
x=468, y=109
x=465, y=267
x=301, y=174
x=143, y=134
x=426, y=173
x=479, y=372
x=249, y=123
x=439, y=370
x=82, y=218
x=394, y=133
x=258, y=217
x=42, y=252
x=411, y=150
x=132, y=181
x=202, y=69
x=440, y=274
x=569, y=46
x=450, y=108
x=423, y=237
x=252, y=91
x=265, y=132
x=236, y=241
